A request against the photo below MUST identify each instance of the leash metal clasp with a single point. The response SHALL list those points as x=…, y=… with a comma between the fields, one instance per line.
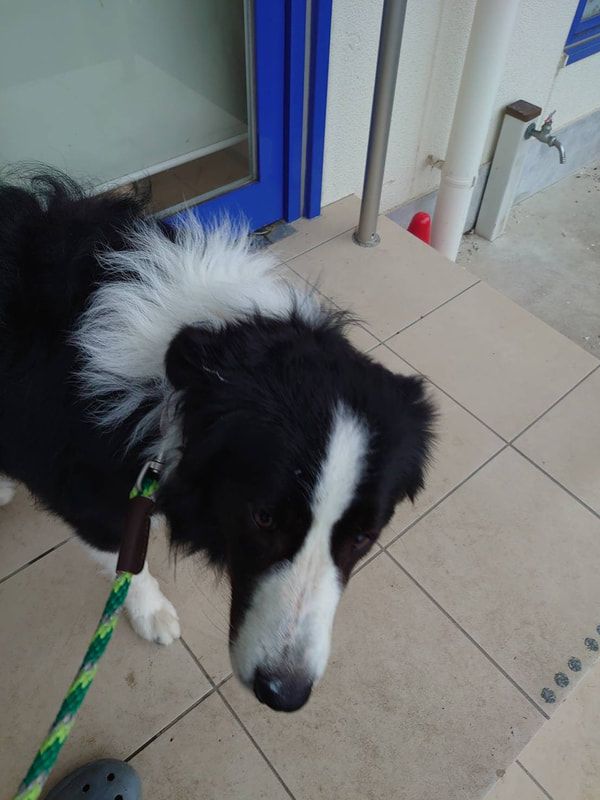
x=134, y=541
x=152, y=468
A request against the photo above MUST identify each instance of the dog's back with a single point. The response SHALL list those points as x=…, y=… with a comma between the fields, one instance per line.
x=50, y=234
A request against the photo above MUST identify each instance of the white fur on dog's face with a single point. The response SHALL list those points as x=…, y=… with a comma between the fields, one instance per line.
x=287, y=627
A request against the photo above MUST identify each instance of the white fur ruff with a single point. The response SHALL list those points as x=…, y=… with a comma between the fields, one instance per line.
x=208, y=276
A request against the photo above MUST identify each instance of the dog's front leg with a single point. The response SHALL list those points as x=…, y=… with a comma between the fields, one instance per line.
x=152, y=616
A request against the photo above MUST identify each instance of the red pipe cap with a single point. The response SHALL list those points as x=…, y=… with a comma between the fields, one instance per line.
x=420, y=226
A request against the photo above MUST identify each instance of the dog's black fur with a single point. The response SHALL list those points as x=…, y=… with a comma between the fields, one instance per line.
x=256, y=399
x=50, y=234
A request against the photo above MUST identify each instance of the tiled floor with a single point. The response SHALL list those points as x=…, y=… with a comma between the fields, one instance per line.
x=445, y=641
x=563, y=760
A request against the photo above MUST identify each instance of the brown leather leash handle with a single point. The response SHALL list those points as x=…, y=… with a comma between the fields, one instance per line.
x=134, y=544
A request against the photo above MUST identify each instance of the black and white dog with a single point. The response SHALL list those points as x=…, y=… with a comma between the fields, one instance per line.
x=285, y=448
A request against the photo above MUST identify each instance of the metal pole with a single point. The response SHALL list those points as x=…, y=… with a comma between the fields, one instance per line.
x=390, y=40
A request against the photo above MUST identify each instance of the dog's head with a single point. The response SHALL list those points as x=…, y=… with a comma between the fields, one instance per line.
x=295, y=450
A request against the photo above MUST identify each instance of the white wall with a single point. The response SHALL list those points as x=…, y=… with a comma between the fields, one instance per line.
x=433, y=51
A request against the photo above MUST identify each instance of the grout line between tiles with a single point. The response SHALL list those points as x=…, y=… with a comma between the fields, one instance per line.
x=363, y=324
x=384, y=341
x=217, y=688
x=465, y=408
x=197, y=662
x=535, y=780
x=556, y=402
x=287, y=259
x=444, y=392
x=469, y=637
x=315, y=288
x=441, y=500
x=367, y=561
x=213, y=683
x=554, y=480
x=428, y=313
x=170, y=724
x=256, y=745
x=213, y=688
x=33, y=560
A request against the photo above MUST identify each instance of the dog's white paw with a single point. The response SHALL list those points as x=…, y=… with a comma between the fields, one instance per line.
x=7, y=490
x=152, y=616
x=160, y=625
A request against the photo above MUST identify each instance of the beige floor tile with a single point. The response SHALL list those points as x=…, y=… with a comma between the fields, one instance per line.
x=361, y=338
x=566, y=441
x=391, y=361
x=201, y=599
x=496, y=359
x=408, y=707
x=335, y=219
x=358, y=336
x=463, y=444
x=516, y=785
x=565, y=755
x=514, y=559
x=26, y=532
x=388, y=286
x=49, y=613
x=206, y=756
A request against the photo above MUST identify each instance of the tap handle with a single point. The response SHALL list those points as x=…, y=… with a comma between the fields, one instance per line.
x=549, y=118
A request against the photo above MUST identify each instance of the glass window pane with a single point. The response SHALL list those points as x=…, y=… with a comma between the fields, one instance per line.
x=592, y=9
x=119, y=90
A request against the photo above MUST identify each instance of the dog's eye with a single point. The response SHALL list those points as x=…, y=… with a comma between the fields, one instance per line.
x=263, y=518
x=361, y=540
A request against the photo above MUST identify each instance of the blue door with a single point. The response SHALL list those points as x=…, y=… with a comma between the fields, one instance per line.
x=276, y=41
x=261, y=198
x=286, y=113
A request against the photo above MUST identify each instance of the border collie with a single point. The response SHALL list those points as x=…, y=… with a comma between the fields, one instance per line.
x=285, y=449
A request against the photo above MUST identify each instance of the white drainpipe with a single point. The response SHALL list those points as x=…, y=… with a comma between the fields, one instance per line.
x=488, y=44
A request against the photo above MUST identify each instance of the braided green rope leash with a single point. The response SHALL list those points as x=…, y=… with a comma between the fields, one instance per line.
x=44, y=761
x=37, y=775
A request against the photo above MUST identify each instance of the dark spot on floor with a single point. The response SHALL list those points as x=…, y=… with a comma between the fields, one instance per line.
x=591, y=644
x=500, y=773
x=130, y=678
x=574, y=664
x=560, y=679
x=548, y=695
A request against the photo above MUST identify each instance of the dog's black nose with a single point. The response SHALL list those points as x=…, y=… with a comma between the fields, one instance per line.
x=282, y=693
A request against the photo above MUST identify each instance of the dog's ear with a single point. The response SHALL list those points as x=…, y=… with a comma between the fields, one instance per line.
x=192, y=357
x=417, y=417
x=200, y=355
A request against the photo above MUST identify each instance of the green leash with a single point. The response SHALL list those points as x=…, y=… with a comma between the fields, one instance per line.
x=46, y=756
x=37, y=775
